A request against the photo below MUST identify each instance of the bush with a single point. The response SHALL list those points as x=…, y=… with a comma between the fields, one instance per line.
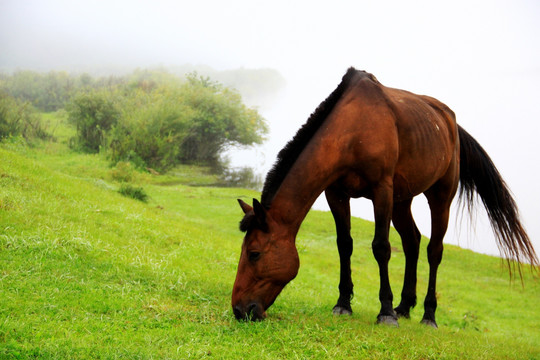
x=133, y=192
x=123, y=172
x=51, y=91
x=93, y=114
x=192, y=123
x=19, y=119
x=159, y=122
x=221, y=119
x=151, y=130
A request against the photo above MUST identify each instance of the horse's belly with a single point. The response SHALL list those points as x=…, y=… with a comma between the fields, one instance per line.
x=415, y=177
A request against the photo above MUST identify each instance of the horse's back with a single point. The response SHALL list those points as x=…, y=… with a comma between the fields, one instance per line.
x=392, y=132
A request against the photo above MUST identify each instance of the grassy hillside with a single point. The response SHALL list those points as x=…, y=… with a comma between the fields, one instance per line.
x=86, y=273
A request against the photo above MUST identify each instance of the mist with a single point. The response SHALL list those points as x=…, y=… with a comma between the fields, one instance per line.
x=481, y=58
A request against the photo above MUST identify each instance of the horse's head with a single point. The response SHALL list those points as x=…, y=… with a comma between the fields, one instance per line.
x=268, y=262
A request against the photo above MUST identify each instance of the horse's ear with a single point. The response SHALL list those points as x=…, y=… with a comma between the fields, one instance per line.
x=245, y=207
x=260, y=212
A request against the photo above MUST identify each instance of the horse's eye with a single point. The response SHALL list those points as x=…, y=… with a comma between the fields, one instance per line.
x=254, y=256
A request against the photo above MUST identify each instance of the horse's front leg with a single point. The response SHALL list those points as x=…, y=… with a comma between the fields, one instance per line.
x=339, y=205
x=382, y=205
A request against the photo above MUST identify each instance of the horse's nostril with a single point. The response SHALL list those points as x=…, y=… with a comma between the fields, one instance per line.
x=238, y=313
x=255, y=312
x=250, y=309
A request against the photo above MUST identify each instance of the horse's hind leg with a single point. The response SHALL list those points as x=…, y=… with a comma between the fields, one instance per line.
x=410, y=238
x=339, y=205
x=439, y=198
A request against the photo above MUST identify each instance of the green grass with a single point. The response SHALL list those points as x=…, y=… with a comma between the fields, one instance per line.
x=86, y=273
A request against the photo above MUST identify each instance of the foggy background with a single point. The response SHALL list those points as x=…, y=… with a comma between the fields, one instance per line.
x=481, y=58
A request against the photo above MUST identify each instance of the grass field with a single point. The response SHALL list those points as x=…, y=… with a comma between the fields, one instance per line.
x=86, y=273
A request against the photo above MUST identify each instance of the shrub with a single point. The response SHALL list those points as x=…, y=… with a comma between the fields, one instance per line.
x=47, y=92
x=133, y=192
x=123, y=172
x=19, y=119
x=159, y=124
x=220, y=119
x=151, y=130
x=191, y=123
x=93, y=114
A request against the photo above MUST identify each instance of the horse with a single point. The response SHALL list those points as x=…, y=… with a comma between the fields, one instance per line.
x=386, y=145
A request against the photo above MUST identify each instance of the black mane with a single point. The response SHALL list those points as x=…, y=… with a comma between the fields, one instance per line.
x=290, y=153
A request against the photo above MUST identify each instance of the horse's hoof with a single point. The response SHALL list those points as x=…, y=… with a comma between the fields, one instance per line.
x=402, y=314
x=338, y=310
x=387, y=320
x=431, y=323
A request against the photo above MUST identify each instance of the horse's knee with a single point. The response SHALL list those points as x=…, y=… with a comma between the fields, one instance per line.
x=345, y=246
x=435, y=252
x=381, y=250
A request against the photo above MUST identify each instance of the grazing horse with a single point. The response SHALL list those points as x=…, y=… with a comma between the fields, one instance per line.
x=387, y=145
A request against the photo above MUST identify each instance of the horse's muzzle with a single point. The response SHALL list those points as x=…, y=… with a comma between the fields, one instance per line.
x=253, y=312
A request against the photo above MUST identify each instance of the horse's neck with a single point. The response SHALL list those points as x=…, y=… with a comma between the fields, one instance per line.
x=312, y=173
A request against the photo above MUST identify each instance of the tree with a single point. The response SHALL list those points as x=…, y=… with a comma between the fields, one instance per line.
x=221, y=120
x=151, y=129
x=93, y=113
x=166, y=124
x=47, y=92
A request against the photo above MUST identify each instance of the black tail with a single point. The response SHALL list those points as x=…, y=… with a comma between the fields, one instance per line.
x=478, y=175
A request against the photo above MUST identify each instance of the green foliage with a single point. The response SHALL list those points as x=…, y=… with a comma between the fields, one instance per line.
x=93, y=114
x=123, y=172
x=53, y=90
x=151, y=129
x=220, y=120
x=133, y=192
x=191, y=122
x=19, y=119
x=150, y=117
x=47, y=92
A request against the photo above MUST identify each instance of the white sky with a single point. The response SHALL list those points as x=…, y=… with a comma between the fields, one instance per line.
x=482, y=58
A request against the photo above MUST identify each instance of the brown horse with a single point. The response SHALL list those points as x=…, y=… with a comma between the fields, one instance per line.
x=387, y=145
